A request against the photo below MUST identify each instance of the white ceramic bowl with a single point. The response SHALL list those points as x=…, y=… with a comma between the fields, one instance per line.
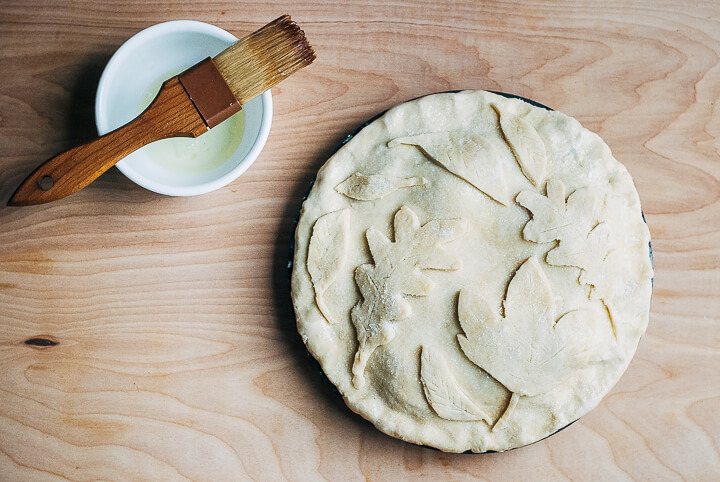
x=157, y=53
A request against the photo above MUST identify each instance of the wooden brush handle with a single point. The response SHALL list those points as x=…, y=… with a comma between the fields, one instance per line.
x=171, y=114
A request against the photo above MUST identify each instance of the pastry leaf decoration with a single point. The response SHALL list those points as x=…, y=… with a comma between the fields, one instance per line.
x=447, y=399
x=555, y=219
x=476, y=160
x=395, y=275
x=363, y=187
x=527, y=350
x=589, y=254
x=326, y=254
x=512, y=403
x=527, y=146
x=583, y=243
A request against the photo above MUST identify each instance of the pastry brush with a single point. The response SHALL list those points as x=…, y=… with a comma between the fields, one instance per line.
x=186, y=106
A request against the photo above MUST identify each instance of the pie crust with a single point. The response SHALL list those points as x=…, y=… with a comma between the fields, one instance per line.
x=472, y=272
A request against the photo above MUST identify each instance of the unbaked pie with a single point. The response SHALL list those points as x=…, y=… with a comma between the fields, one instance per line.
x=472, y=271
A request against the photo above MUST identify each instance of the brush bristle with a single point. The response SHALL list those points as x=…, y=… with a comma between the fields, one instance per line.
x=259, y=61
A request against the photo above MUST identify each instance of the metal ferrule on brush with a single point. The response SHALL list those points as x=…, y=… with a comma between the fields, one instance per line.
x=209, y=92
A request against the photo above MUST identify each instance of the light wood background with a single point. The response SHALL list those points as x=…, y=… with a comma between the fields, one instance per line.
x=177, y=354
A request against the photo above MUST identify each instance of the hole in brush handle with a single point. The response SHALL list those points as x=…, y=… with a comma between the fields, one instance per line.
x=45, y=183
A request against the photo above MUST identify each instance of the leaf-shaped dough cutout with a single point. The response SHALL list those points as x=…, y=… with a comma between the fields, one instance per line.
x=363, y=187
x=587, y=253
x=526, y=350
x=553, y=218
x=447, y=399
x=582, y=243
x=526, y=144
x=514, y=399
x=327, y=253
x=396, y=274
x=477, y=160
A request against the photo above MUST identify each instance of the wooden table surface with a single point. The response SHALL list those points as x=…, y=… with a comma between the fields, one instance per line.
x=177, y=355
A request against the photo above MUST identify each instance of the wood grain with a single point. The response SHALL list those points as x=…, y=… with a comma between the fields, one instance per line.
x=171, y=114
x=177, y=355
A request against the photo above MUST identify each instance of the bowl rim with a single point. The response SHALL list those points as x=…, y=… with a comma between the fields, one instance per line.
x=103, y=127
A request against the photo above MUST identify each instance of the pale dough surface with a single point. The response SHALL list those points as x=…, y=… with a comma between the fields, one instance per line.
x=472, y=272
